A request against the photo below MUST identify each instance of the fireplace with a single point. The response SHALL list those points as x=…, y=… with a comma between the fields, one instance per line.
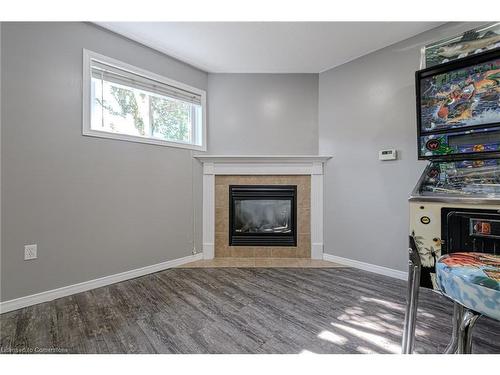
x=263, y=215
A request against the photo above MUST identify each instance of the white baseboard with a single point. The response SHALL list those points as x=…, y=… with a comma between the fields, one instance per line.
x=53, y=294
x=317, y=251
x=366, y=266
x=208, y=250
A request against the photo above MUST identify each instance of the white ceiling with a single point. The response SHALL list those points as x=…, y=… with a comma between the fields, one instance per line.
x=267, y=47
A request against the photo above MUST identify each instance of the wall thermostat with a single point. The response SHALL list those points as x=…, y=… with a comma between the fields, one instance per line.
x=391, y=154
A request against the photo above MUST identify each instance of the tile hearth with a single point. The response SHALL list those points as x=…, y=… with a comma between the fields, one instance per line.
x=261, y=263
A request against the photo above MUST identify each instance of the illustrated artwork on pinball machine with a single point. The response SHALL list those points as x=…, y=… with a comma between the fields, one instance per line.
x=455, y=206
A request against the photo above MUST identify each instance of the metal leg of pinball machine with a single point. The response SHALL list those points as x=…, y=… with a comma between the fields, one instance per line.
x=458, y=314
x=468, y=321
x=414, y=270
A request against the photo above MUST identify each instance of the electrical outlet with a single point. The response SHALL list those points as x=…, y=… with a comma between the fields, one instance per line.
x=30, y=252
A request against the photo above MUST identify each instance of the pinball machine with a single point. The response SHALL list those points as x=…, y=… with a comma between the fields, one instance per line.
x=455, y=205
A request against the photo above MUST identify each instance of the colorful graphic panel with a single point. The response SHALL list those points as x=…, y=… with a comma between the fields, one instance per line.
x=462, y=178
x=467, y=96
x=464, y=142
x=474, y=41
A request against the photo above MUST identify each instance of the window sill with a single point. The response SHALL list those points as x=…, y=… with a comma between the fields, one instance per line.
x=131, y=138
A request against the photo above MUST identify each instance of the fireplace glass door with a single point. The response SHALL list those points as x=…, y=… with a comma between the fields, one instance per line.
x=263, y=215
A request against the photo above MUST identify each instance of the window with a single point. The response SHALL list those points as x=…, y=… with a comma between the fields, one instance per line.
x=123, y=102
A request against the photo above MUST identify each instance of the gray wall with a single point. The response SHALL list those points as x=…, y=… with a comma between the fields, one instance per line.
x=364, y=106
x=95, y=207
x=263, y=114
x=90, y=204
x=95, y=210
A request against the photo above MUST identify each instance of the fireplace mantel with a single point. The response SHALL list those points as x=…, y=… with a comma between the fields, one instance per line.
x=265, y=165
x=262, y=158
x=312, y=165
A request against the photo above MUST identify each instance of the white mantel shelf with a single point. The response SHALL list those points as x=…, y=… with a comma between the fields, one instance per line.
x=263, y=164
x=262, y=158
x=312, y=165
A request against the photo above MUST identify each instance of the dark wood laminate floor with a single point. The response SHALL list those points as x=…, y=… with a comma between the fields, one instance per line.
x=238, y=310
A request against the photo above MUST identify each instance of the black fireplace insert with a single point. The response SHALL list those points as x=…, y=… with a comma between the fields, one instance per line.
x=263, y=215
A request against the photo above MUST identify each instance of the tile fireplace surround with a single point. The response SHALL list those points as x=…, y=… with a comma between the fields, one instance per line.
x=303, y=248
x=304, y=171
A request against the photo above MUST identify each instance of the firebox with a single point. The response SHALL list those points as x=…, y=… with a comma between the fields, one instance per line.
x=263, y=215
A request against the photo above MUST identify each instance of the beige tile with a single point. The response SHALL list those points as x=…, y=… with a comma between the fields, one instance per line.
x=243, y=262
x=303, y=252
x=284, y=252
x=304, y=220
x=281, y=180
x=303, y=200
x=221, y=219
x=285, y=262
x=233, y=262
x=222, y=180
x=222, y=248
x=264, y=262
x=217, y=262
x=242, y=251
x=221, y=239
x=221, y=262
x=263, y=252
x=221, y=196
x=304, y=245
x=261, y=262
x=222, y=252
x=303, y=239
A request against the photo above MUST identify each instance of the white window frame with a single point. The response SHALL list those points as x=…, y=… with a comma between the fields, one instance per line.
x=89, y=56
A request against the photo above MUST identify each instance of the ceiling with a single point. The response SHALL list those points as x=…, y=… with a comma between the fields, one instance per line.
x=267, y=47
